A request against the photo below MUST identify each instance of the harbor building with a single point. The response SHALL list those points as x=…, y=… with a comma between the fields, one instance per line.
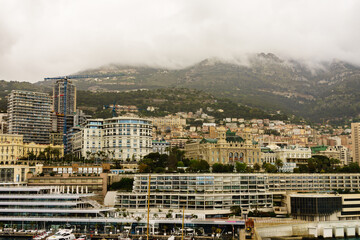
x=94, y=182
x=226, y=149
x=29, y=115
x=30, y=208
x=49, y=207
x=324, y=206
x=217, y=193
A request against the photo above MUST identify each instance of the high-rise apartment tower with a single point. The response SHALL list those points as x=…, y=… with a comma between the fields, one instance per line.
x=59, y=95
x=29, y=115
x=355, y=137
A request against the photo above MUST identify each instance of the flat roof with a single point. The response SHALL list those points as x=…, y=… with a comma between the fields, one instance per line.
x=121, y=220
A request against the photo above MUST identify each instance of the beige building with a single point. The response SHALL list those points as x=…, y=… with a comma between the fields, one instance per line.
x=169, y=121
x=227, y=148
x=17, y=173
x=355, y=138
x=96, y=183
x=12, y=148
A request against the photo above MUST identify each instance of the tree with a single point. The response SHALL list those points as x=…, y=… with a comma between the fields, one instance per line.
x=279, y=164
x=199, y=166
x=236, y=210
x=257, y=167
x=144, y=168
x=218, y=168
x=240, y=167
x=180, y=164
x=125, y=184
x=270, y=168
x=351, y=168
x=249, y=169
x=56, y=153
x=47, y=152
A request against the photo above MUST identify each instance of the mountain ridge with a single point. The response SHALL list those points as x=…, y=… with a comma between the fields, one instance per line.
x=327, y=91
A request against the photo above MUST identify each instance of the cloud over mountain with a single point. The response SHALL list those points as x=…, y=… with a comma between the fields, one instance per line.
x=48, y=38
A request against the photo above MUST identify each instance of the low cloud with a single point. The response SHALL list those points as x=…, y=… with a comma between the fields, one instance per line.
x=49, y=38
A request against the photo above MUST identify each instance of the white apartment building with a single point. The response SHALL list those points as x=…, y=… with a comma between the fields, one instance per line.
x=89, y=140
x=127, y=137
x=293, y=154
x=268, y=156
x=118, y=137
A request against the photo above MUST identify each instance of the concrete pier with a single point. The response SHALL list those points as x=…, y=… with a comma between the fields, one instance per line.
x=339, y=232
x=350, y=231
x=313, y=231
x=327, y=232
x=326, y=229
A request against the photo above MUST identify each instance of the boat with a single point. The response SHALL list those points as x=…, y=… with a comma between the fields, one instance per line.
x=63, y=234
x=82, y=237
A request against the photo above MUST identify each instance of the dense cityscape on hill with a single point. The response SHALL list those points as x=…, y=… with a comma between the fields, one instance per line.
x=169, y=120
x=233, y=160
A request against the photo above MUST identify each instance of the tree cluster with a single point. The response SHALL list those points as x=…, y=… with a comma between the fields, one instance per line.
x=125, y=184
x=323, y=164
x=222, y=168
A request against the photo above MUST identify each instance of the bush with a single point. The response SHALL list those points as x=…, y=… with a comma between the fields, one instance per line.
x=125, y=184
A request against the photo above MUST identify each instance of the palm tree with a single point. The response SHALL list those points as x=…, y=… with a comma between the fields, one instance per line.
x=56, y=153
x=47, y=152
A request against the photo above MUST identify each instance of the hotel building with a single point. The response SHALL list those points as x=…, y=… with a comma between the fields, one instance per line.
x=118, y=137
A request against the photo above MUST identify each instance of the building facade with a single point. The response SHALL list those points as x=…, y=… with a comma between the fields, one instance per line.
x=355, y=138
x=162, y=147
x=226, y=149
x=196, y=191
x=94, y=183
x=59, y=94
x=337, y=152
x=169, y=121
x=29, y=115
x=295, y=154
x=118, y=138
x=13, y=148
x=127, y=137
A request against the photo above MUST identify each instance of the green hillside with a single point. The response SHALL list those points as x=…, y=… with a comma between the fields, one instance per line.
x=329, y=91
x=168, y=101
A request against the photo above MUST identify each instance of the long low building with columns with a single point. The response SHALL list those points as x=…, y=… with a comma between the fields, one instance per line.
x=218, y=193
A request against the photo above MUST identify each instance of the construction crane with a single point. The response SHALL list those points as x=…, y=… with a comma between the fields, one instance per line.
x=113, y=111
x=85, y=76
x=65, y=78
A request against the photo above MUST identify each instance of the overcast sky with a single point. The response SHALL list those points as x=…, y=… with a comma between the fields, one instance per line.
x=49, y=38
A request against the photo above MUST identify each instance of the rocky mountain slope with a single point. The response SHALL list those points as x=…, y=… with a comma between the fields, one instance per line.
x=328, y=91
